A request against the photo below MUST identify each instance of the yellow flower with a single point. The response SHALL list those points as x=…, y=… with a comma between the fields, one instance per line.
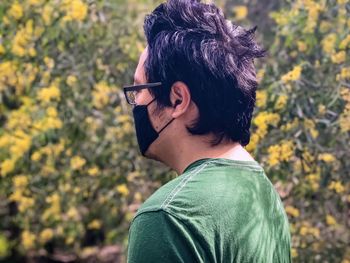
x=25, y=203
x=302, y=46
x=21, y=144
x=93, y=171
x=306, y=229
x=254, y=140
x=330, y=220
x=344, y=121
x=325, y=26
x=313, y=179
x=345, y=42
x=51, y=111
x=47, y=14
x=280, y=152
x=46, y=235
x=101, y=95
x=292, y=211
x=261, y=98
x=50, y=63
x=35, y=2
x=123, y=190
x=2, y=49
x=294, y=253
x=240, y=11
x=303, y=231
x=71, y=80
x=69, y=240
x=345, y=73
x=73, y=213
x=281, y=19
x=314, y=231
x=94, y=224
x=16, y=11
x=337, y=186
x=4, y=246
x=138, y=197
x=260, y=75
x=48, y=123
x=317, y=64
x=20, y=181
x=77, y=162
x=5, y=140
x=339, y=57
x=310, y=126
x=290, y=125
x=345, y=93
x=32, y=52
x=48, y=94
x=322, y=109
x=281, y=102
x=24, y=40
x=262, y=120
x=8, y=74
x=5, y=20
x=19, y=43
x=292, y=75
x=76, y=190
x=313, y=14
x=55, y=207
x=328, y=43
x=7, y=166
x=327, y=157
x=28, y=240
x=75, y=10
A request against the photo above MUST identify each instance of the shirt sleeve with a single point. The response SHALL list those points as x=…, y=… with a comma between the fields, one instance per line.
x=158, y=236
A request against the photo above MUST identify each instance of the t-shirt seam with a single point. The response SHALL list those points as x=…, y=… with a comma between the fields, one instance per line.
x=159, y=209
x=254, y=167
x=145, y=210
x=181, y=185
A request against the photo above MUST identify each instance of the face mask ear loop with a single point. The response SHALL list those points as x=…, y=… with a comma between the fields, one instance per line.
x=167, y=123
x=151, y=102
x=165, y=126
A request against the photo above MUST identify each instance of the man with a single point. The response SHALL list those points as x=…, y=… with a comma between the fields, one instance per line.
x=193, y=96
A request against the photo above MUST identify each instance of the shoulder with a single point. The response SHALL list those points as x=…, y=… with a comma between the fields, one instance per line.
x=218, y=181
x=155, y=202
x=157, y=218
x=167, y=193
x=158, y=236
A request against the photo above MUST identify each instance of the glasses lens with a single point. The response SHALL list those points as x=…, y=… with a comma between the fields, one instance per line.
x=131, y=96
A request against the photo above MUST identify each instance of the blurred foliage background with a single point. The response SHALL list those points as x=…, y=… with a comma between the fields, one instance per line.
x=71, y=176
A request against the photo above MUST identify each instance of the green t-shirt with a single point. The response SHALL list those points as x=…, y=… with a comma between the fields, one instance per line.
x=218, y=210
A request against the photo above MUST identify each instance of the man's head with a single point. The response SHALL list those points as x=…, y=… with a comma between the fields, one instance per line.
x=205, y=65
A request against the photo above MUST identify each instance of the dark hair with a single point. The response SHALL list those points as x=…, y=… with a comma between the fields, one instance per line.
x=192, y=42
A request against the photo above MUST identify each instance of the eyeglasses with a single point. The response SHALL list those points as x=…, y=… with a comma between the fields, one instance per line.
x=131, y=91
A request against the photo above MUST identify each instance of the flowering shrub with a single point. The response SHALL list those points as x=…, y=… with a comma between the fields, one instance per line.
x=71, y=176
x=302, y=125
x=69, y=164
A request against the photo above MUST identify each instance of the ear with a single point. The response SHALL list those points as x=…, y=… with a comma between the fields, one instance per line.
x=180, y=97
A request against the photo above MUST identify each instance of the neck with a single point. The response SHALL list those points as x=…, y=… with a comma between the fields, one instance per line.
x=182, y=153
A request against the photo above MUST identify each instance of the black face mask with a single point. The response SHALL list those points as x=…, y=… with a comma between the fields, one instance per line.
x=145, y=132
